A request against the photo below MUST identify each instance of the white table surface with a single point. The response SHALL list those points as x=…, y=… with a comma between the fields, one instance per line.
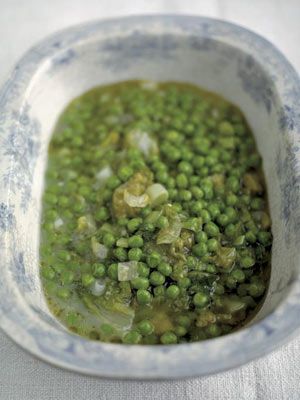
x=22, y=377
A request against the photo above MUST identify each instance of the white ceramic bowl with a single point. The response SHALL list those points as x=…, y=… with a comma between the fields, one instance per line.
x=219, y=56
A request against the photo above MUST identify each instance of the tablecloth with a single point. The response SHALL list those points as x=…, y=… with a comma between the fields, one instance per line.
x=23, y=377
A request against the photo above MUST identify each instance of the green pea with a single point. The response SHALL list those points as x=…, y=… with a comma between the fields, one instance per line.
x=135, y=254
x=238, y=275
x=247, y=262
x=264, y=238
x=185, y=167
x=165, y=269
x=145, y=327
x=153, y=259
x=182, y=181
x=140, y=283
x=184, y=282
x=200, y=249
x=168, y=338
x=162, y=222
x=143, y=296
x=132, y=337
x=185, y=195
x=134, y=224
x=201, y=237
x=256, y=289
x=109, y=240
x=156, y=278
x=223, y=219
x=184, y=320
x=197, y=192
x=48, y=273
x=211, y=229
x=226, y=128
x=200, y=299
x=87, y=279
x=173, y=292
x=113, y=182
x=125, y=172
x=135, y=241
x=213, y=330
x=99, y=270
x=67, y=277
x=180, y=331
x=214, y=210
x=63, y=293
x=112, y=271
x=212, y=245
x=159, y=291
x=205, y=215
x=197, y=208
x=143, y=270
x=121, y=254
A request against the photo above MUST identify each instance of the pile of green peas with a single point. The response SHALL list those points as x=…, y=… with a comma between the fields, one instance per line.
x=198, y=256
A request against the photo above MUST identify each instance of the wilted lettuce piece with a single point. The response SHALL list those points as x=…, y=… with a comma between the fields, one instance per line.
x=135, y=186
x=171, y=233
x=225, y=257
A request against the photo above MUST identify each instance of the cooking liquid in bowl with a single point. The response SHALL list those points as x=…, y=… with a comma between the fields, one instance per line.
x=155, y=224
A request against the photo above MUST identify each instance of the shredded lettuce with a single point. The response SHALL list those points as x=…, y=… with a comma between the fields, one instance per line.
x=171, y=233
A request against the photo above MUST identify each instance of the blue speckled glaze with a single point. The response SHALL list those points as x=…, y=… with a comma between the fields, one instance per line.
x=218, y=55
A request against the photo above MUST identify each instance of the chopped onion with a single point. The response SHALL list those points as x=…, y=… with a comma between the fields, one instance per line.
x=144, y=142
x=98, y=287
x=171, y=233
x=99, y=250
x=104, y=174
x=136, y=201
x=122, y=242
x=58, y=223
x=127, y=271
x=158, y=194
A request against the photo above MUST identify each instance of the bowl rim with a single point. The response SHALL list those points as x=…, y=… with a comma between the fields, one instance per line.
x=268, y=333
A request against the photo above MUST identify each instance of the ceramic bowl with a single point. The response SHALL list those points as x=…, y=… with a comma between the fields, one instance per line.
x=219, y=56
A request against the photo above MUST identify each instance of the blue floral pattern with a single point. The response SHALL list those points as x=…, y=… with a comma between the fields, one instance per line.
x=263, y=73
x=7, y=218
x=22, y=146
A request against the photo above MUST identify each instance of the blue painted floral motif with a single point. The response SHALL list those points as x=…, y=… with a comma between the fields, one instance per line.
x=289, y=118
x=7, y=218
x=21, y=277
x=63, y=59
x=255, y=82
x=120, y=52
x=286, y=165
x=22, y=146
